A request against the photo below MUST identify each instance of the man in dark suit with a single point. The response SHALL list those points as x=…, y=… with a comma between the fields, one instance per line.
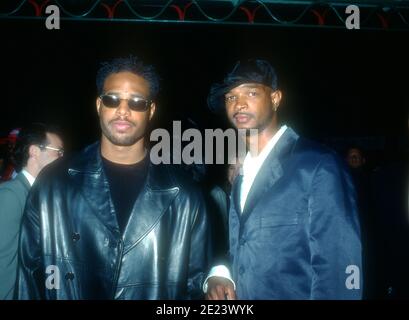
x=37, y=146
x=293, y=223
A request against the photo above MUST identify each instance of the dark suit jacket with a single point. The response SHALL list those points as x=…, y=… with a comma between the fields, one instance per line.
x=13, y=196
x=298, y=236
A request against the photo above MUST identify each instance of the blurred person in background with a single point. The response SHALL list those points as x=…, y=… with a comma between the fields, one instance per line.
x=37, y=146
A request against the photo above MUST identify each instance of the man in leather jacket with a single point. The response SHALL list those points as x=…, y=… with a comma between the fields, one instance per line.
x=107, y=223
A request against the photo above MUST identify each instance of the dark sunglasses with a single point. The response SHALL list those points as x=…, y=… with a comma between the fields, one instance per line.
x=134, y=103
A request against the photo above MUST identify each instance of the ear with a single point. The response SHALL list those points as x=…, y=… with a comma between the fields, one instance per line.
x=276, y=97
x=152, y=110
x=33, y=151
x=98, y=104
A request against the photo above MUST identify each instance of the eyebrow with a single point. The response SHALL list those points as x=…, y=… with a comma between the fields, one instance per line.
x=138, y=95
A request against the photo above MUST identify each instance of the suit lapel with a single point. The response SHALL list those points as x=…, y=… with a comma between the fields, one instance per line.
x=152, y=203
x=23, y=180
x=270, y=172
x=235, y=194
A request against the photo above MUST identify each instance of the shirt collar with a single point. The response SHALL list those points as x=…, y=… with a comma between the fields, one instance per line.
x=250, y=162
x=29, y=177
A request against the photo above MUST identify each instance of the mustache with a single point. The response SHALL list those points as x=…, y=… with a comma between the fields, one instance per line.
x=243, y=114
x=123, y=120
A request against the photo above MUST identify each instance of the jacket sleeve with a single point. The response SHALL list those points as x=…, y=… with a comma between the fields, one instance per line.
x=30, y=280
x=10, y=214
x=334, y=233
x=200, y=249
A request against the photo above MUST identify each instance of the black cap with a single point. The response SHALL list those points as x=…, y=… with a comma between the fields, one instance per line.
x=245, y=71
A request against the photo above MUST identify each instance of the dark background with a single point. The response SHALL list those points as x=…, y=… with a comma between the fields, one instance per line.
x=340, y=86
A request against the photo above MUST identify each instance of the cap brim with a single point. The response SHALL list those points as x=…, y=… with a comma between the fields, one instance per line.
x=216, y=99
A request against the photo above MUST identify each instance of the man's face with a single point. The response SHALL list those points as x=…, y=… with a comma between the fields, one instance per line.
x=48, y=155
x=355, y=159
x=252, y=106
x=122, y=126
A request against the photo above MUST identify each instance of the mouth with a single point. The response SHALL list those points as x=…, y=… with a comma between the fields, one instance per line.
x=121, y=125
x=242, y=118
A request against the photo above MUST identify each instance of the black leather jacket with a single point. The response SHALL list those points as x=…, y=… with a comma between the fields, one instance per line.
x=70, y=223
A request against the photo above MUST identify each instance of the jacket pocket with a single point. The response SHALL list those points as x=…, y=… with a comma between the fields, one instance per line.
x=279, y=220
x=278, y=231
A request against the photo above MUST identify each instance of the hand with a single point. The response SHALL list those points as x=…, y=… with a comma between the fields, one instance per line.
x=219, y=288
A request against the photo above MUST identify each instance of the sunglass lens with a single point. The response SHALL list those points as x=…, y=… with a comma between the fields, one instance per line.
x=110, y=101
x=138, y=105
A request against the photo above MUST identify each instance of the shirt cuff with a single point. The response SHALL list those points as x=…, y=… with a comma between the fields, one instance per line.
x=218, y=271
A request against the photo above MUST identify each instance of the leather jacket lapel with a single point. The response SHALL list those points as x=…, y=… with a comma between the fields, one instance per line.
x=152, y=203
x=90, y=178
x=147, y=212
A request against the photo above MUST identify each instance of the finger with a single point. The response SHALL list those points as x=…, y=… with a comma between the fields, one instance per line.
x=230, y=293
x=220, y=292
x=215, y=295
x=212, y=294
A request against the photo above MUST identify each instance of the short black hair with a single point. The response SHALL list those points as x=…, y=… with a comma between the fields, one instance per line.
x=130, y=64
x=33, y=134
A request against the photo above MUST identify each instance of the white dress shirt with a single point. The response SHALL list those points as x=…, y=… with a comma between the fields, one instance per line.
x=251, y=166
x=29, y=177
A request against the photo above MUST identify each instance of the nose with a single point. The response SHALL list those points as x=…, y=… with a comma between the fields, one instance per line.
x=123, y=108
x=241, y=103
